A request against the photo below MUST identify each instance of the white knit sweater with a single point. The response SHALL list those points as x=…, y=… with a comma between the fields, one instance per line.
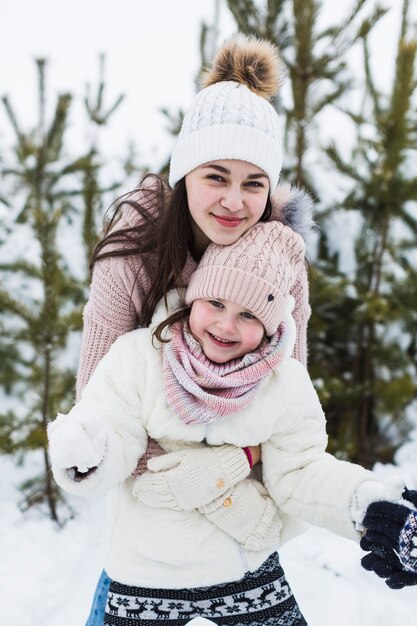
x=155, y=547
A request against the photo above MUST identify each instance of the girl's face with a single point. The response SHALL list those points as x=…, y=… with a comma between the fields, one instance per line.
x=225, y=199
x=225, y=329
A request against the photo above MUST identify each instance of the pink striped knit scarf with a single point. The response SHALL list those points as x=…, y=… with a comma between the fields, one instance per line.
x=200, y=391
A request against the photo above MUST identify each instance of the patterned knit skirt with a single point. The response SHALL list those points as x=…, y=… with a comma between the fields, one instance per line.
x=260, y=598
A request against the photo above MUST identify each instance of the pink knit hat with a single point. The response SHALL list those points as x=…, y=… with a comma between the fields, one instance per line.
x=257, y=272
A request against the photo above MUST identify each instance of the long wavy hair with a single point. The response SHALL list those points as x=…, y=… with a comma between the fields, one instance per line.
x=162, y=237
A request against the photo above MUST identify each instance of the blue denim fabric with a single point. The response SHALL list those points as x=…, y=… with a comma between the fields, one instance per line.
x=99, y=603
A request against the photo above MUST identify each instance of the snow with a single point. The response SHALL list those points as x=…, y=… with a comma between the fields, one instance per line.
x=67, y=433
x=48, y=574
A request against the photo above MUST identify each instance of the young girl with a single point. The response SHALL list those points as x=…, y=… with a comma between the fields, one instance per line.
x=223, y=179
x=216, y=373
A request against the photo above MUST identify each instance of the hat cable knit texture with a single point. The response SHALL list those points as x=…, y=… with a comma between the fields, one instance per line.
x=229, y=120
x=257, y=272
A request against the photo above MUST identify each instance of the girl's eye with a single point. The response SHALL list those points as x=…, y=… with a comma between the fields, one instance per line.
x=254, y=183
x=216, y=177
x=216, y=304
x=248, y=316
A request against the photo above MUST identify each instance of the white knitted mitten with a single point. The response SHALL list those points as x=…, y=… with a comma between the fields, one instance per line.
x=77, y=441
x=190, y=478
x=248, y=514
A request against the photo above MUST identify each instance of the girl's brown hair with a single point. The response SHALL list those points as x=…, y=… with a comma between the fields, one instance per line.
x=163, y=236
x=178, y=316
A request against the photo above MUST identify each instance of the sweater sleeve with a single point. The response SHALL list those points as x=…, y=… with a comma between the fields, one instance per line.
x=305, y=481
x=108, y=418
x=112, y=310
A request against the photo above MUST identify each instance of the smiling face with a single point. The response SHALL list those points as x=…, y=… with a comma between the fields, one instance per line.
x=225, y=199
x=224, y=329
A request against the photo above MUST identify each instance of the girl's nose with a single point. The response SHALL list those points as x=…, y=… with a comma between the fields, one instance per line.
x=227, y=324
x=232, y=200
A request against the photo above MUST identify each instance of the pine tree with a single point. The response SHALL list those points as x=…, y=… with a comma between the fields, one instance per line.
x=8, y=351
x=92, y=192
x=59, y=195
x=378, y=308
x=40, y=322
x=316, y=61
x=269, y=21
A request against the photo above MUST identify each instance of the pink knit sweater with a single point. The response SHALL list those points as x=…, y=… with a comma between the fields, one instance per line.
x=118, y=287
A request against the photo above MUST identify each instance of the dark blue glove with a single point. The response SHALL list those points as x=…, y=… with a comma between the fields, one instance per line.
x=385, y=564
x=391, y=538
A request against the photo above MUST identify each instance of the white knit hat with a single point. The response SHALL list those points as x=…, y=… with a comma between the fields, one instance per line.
x=258, y=272
x=231, y=118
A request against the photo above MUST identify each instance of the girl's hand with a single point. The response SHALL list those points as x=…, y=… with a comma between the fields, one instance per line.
x=391, y=537
x=190, y=478
x=77, y=443
x=247, y=514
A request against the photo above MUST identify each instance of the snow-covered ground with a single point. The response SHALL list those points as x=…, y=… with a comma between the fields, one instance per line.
x=48, y=574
